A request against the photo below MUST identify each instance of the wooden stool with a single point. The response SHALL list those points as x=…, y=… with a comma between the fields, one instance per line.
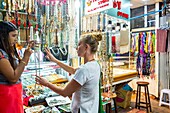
x=147, y=98
x=108, y=105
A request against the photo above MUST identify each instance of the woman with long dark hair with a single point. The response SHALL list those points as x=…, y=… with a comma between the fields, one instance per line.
x=11, y=68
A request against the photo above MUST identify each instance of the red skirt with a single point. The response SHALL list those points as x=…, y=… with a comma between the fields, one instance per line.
x=11, y=98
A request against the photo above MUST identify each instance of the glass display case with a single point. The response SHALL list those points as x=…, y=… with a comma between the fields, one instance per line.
x=37, y=93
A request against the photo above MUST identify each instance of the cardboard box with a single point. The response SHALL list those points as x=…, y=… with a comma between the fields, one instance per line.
x=123, y=98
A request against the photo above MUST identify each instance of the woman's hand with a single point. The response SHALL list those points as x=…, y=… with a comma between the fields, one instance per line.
x=49, y=56
x=28, y=50
x=41, y=81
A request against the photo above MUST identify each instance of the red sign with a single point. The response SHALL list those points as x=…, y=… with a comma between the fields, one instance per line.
x=124, y=15
x=117, y=4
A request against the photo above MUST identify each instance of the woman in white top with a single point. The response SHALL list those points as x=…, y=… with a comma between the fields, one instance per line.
x=85, y=84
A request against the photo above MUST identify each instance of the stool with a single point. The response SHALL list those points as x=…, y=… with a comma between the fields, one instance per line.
x=164, y=91
x=108, y=105
x=147, y=98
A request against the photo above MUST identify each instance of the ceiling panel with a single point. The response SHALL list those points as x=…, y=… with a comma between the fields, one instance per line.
x=138, y=3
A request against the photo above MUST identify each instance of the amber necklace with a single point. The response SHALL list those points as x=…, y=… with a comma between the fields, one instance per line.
x=91, y=60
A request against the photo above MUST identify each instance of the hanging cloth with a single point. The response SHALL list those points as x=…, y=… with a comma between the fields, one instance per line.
x=113, y=44
x=168, y=42
x=161, y=40
x=124, y=41
x=149, y=34
x=132, y=49
x=137, y=41
x=146, y=42
x=142, y=43
x=152, y=42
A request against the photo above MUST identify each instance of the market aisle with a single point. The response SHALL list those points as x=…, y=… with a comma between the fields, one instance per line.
x=154, y=103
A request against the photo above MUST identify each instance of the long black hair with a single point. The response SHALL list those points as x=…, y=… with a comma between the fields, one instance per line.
x=5, y=29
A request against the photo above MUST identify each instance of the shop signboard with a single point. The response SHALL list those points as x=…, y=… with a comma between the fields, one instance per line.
x=115, y=8
x=123, y=12
x=94, y=6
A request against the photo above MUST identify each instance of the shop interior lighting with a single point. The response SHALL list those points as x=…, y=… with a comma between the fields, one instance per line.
x=118, y=24
x=113, y=29
x=125, y=25
x=110, y=22
x=127, y=5
x=118, y=27
x=77, y=2
x=109, y=25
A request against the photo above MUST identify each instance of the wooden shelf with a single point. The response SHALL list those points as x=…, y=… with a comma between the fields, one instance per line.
x=23, y=13
x=143, y=29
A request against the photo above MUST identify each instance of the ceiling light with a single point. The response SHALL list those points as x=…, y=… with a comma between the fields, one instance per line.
x=109, y=22
x=118, y=27
x=125, y=25
x=113, y=29
x=118, y=24
x=109, y=25
x=127, y=5
x=77, y=2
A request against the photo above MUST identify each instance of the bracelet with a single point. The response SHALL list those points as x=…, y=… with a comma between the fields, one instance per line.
x=23, y=62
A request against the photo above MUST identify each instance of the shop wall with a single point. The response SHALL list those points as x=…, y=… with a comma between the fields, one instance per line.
x=153, y=81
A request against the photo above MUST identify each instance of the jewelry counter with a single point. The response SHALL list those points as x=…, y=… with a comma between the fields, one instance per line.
x=35, y=96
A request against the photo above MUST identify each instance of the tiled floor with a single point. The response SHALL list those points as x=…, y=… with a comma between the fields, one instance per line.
x=154, y=103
